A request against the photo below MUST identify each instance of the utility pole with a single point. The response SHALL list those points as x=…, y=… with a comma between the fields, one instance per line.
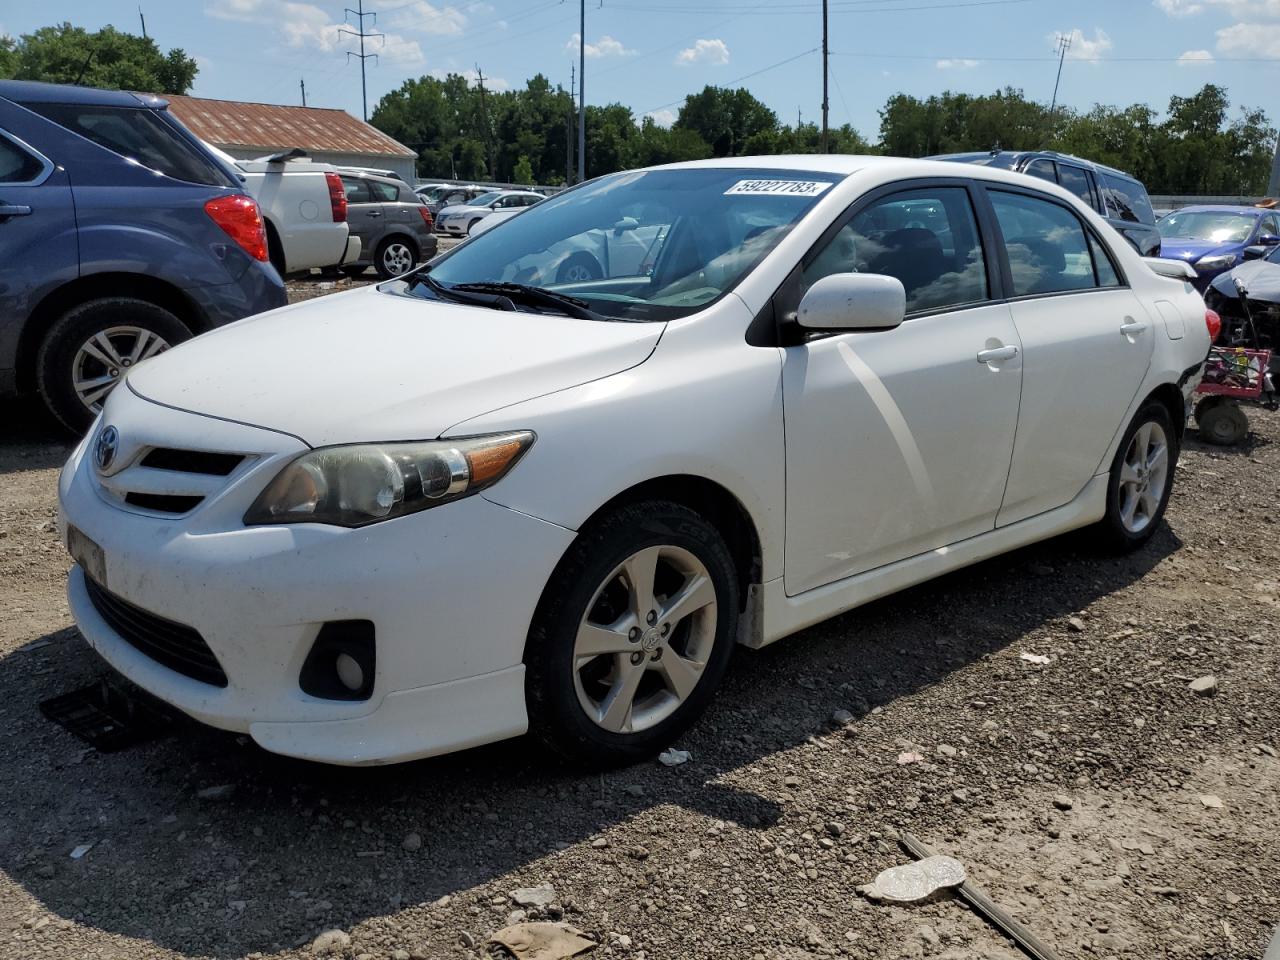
x=568, y=132
x=144, y=22
x=826, y=56
x=1064, y=44
x=360, y=32
x=484, y=117
x=1273, y=187
x=582, y=90
x=303, y=84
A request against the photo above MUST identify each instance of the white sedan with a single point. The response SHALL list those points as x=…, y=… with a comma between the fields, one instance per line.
x=460, y=218
x=476, y=501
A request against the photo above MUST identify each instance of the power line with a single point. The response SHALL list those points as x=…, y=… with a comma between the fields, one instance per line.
x=362, y=34
x=745, y=76
x=810, y=6
x=1046, y=59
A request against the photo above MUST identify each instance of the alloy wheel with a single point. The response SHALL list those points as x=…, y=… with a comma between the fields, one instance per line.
x=397, y=259
x=1144, y=474
x=577, y=273
x=107, y=356
x=645, y=640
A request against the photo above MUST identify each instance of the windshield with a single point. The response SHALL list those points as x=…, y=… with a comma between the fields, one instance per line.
x=642, y=245
x=1215, y=226
x=483, y=200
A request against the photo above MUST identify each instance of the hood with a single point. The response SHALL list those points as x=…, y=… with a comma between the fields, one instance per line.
x=1260, y=277
x=371, y=365
x=1190, y=249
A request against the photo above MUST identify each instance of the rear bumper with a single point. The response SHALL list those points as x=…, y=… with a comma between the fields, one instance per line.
x=352, y=252
x=257, y=290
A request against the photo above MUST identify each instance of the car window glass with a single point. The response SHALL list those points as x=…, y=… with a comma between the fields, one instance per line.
x=1270, y=226
x=928, y=239
x=383, y=192
x=1104, y=269
x=1075, y=180
x=1042, y=169
x=136, y=134
x=1046, y=244
x=1127, y=199
x=16, y=165
x=357, y=190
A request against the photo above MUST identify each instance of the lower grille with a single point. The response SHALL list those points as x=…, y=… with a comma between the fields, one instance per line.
x=174, y=645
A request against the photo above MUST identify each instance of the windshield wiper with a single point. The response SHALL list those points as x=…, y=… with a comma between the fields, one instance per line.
x=570, y=306
x=478, y=298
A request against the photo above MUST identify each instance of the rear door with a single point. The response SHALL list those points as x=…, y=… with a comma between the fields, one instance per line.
x=364, y=214
x=38, y=242
x=1086, y=339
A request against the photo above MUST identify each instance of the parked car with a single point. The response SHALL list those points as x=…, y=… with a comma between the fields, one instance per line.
x=394, y=226
x=448, y=194
x=499, y=216
x=120, y=236
x=303, y=207
x=1119, y=197
x=1214, y=238
x=458, y=219
x=454, y=507
x=1256, y=280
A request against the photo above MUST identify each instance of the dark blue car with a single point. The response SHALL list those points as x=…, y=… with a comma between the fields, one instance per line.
x=1214, y=239
x=120, y=236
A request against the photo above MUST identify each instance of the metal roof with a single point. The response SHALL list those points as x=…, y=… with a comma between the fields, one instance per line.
x=269, y=126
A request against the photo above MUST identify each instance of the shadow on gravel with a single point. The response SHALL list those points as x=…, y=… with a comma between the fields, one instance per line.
x=294, y=848
x=30, y=439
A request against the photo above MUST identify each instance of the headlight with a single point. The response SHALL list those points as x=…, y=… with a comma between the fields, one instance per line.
x=354, y=485
x=1220, y=262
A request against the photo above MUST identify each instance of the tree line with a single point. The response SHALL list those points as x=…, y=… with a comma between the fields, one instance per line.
x=460, y=130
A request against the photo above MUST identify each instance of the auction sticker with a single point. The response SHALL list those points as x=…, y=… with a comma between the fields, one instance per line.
x=778, y=188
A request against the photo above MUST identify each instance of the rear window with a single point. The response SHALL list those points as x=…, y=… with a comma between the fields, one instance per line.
x=16, y=165
x=136, y=134
x=1127, y=199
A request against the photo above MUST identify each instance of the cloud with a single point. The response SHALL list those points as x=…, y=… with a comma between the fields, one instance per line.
x=1195, y=58
x=961, y=64
x=1082, y=47
x=422, y=17
x=1236, y=9
x=473, y=78
x=1178, y=8
x=714, y=52
x=1250, y=40
x=663, y=118
x=606, y=46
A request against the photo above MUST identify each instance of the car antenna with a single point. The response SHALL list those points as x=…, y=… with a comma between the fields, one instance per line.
x=995, y=150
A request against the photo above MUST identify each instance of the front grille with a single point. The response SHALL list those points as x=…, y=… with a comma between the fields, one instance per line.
x=192, y=461
x=174, y=645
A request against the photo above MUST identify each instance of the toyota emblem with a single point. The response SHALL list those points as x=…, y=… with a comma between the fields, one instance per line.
x=105, y=448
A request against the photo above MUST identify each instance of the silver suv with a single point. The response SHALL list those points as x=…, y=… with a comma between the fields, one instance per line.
x=393, y=224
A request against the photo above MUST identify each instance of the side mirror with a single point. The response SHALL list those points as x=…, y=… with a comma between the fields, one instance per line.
x=853, y=301
x=1268, y=239
x=625, y=224
x=1256, y=252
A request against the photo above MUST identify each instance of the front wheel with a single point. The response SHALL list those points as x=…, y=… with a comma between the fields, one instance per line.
x=632, y=635
x=1141, y=479
x=395, y=257
x=92, y=346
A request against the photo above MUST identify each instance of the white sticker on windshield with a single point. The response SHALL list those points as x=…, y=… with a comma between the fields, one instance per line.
x=778, y=188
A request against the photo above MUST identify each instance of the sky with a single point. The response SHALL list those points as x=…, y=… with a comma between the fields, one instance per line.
x=649, y=54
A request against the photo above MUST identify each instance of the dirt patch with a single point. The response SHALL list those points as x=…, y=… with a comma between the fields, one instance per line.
x=1112, y=809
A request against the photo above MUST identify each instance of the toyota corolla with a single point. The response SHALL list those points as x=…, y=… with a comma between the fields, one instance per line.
x=484, y=499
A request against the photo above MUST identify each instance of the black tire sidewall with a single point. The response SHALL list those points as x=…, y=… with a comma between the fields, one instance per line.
x=1115, y=534
x=378, y=265
x=555, y=716
x=55, y=359
x=1223, y=412
x=584, y=258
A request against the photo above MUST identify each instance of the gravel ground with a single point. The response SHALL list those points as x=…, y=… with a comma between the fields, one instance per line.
x=205, y=846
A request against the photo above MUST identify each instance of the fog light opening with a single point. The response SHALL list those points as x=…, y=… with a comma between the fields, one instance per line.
x=340, y=665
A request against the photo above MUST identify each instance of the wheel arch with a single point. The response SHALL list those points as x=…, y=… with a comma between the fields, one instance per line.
x=400, y=235
x=1169, y=395
x=93, y=287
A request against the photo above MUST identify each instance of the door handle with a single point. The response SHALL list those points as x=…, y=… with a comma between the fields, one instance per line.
x=375, y=213
x=997, y=354
x=1132, y=327
x=14, y=210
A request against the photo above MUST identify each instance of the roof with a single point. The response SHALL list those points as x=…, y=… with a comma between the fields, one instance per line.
x=271, y=126
x=1008, y=159
x=29, y=91
x=1223, y=208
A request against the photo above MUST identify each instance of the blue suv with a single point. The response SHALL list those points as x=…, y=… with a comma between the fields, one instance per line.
x=120, y=236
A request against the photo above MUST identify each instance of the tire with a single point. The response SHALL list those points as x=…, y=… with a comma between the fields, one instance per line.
x=1137, y=496
x=1223, y=424
x=74, y=350
x=579, y=268
x=472, y=225
x=562, y=683
x=395, y=257
x=275, y=251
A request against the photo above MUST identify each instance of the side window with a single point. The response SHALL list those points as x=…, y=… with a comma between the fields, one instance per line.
x=926, y=238
x=1103, y=267
x=16, y=165
x=357, y=190
x=1047, y=248
x=1269, y=226
x=1077, y=181
x=1042, y=169
x=383, y=192
x=1127, y=199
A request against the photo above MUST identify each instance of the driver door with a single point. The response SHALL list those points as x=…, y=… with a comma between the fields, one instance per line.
x=899, y=441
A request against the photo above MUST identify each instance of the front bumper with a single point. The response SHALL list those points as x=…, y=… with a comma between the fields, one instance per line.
x=451, y=593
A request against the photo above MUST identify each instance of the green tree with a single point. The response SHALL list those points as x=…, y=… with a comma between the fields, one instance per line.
x=523, y=172
x=106, y=58
x=733, y=122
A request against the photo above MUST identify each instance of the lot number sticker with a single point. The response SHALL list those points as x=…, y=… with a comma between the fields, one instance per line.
x=778, y=188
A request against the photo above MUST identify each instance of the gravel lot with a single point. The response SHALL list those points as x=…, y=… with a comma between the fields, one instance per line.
x=205, y=846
